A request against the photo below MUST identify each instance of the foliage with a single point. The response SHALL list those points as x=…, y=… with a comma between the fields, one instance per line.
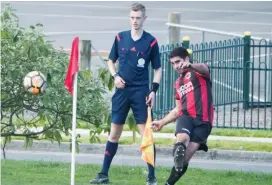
x=26, y=49
x=132, y=125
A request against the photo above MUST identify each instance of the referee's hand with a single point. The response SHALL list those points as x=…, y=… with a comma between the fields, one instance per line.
x=119, y=82
x=150, y=99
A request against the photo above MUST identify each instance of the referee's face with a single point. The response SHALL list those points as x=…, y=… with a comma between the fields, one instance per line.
x=137, y=19
x=177, y=63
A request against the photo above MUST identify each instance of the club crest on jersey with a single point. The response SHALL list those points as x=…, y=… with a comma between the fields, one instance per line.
x=141, y=62
x=186, y=88
x=188, y=75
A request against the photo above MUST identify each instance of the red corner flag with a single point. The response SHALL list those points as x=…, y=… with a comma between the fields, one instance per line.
x=73, y=66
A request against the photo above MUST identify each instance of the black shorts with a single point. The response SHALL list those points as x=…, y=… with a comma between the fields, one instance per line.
x=198, y=130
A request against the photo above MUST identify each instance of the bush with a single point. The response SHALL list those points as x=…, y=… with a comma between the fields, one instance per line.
x=25, y=50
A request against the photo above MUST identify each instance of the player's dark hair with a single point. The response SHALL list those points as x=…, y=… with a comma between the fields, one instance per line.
x=179, y=52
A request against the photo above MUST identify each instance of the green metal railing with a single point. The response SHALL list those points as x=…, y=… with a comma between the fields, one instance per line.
x=241, y=73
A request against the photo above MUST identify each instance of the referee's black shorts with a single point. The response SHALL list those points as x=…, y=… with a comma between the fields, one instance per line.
x=198, y=130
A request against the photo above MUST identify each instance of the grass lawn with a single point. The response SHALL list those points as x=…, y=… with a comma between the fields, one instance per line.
x=213, y=144
x=170, y=128
x=49, y=173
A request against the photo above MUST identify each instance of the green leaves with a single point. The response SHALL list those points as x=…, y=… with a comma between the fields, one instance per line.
x=132, y=125
x=106, y=78
x=26, y=49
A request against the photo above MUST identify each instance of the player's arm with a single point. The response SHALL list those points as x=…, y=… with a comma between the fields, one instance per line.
x=201, y=68
x=170, y=117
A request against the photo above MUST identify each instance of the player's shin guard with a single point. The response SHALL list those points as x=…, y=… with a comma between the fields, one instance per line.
x=151, y=169
x=175, y=176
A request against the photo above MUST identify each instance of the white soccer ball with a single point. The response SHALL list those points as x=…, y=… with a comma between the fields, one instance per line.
x=35, y=82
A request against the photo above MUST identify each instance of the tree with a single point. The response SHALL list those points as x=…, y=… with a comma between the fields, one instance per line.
x=24, y=50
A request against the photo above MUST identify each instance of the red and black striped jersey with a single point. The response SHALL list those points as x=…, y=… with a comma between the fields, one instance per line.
x=195, y=94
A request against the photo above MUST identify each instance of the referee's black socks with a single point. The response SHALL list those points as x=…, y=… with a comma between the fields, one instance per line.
x=151, y=169
x=110, y=152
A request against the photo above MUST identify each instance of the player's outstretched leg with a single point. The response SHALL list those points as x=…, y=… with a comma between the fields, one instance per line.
x=175, y=176
x=184, y=127
x=178, y=154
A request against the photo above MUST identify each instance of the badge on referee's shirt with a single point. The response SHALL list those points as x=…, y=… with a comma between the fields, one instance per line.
x=141, y=62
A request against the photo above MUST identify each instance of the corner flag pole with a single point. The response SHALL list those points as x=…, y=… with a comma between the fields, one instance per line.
x=73, y=171
x=84, y=63
x=71, y=85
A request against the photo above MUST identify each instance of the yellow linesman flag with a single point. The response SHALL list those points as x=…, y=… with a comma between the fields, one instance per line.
x=147, y=146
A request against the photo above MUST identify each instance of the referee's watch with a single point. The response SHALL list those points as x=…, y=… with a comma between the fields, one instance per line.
x=115, y=75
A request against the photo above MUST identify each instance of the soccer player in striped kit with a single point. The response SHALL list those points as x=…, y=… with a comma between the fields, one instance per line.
x=193, y=112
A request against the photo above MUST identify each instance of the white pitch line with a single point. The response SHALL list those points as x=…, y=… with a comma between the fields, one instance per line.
x=149, y=19
x=238, y=90
x=154, y=8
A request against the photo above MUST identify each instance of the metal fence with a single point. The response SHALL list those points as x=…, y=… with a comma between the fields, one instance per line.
x=241, y=73
x=201, y=34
